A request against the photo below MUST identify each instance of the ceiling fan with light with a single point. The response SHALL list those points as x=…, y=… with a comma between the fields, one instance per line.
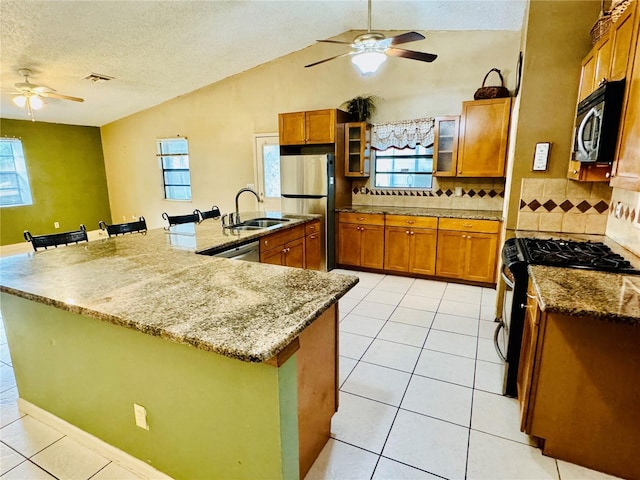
x=33, y=96
x=370, y=50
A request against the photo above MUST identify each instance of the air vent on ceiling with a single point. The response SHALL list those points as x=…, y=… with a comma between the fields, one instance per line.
x=98, y=78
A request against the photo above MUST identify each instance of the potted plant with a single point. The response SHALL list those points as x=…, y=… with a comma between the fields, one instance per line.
x=361, y=107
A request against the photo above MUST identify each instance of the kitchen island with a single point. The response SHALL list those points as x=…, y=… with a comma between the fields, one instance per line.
x=234, y=362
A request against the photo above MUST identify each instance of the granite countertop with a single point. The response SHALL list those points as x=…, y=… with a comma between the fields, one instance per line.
x=425, y=212
x=608, y=296
x=573, y=291
x=156, y=284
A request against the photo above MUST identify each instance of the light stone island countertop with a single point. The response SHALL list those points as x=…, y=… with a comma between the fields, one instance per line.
x=156, y=284
x=425, y=212
x=572, y=291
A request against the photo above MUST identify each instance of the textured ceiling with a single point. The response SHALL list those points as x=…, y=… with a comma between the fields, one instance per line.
x=158, y=50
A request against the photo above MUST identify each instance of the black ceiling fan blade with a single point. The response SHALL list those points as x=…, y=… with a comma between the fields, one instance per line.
x=334, y=41
x=327, y=59
x=401, y=52
x=402, y=38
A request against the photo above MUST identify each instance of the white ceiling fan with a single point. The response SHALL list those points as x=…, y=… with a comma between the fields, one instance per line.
x=370, y=49
x=34, y=96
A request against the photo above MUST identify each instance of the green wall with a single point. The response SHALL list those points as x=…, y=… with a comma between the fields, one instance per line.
x=210, y=417
x=67, y=177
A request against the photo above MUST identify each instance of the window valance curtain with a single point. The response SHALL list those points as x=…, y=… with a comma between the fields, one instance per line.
x=406, y=133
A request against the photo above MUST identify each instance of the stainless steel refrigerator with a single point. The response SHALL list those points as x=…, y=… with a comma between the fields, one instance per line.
x=307, y=185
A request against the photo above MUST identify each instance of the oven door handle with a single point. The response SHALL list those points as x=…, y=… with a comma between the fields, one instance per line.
x=506, y=279
x=496, y=343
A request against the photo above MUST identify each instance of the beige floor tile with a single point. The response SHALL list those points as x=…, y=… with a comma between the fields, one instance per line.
x=67, y=459
x=28, y=435
x=27, y=471
x=115, y=472
x=446, y=367
x=9, y=458
x=339, y=461
x=391, y=470
x=437, y=399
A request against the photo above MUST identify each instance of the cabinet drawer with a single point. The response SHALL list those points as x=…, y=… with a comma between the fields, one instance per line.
x=280, y=238
x=411, y=221
x=466, y=225
x=362, y=218
x=312, y=227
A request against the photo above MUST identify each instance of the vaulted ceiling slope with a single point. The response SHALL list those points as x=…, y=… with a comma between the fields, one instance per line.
x=158, y=50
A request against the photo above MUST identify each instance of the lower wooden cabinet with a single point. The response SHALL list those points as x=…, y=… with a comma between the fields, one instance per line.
x=467, y=249
x=313, y=246
x=286, y=247
x=410, y=244
x=361, y=240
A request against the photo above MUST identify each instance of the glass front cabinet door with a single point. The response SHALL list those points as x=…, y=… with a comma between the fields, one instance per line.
x=445, y=146
x=357, y=149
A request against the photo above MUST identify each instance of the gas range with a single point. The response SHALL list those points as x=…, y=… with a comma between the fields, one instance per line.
x=573, y=254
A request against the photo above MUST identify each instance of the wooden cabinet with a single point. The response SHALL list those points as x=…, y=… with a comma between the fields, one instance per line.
x=285, y=247
x=306, y=128
x=313, y=246
x=467, y=249
x=621, y=35
x=626, y=167
x=445, y=146
x=589, y=172
x=361, y=240
x=357, y=144
x=410, y=244
x=595, y=67
x=484, y=129
x=526, y=367
x=576, y=376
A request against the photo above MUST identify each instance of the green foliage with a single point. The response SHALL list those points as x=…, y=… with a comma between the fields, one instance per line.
x=362, y=107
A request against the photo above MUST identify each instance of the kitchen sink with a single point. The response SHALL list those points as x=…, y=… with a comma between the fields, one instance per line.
x=257, y=223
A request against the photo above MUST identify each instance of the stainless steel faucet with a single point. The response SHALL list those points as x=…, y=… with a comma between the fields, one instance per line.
x=237, y=215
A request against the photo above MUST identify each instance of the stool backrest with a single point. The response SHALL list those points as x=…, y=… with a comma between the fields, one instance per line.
x=178, y=219
x=139, y=225
x=213, y=213
x=55, y=239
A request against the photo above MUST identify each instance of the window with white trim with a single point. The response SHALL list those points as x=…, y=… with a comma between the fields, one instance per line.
x=14, y=181
x=404, y=168
x=173, y=154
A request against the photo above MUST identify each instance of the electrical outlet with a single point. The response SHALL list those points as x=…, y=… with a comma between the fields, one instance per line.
x=134, y=217
x=124, y=218
x=457, y=191
x=141, y=416
x=618, y=211
x=251, y=186
x=56, y=224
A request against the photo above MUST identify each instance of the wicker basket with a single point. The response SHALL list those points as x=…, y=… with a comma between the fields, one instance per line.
x=601, y=27
x=617, y=8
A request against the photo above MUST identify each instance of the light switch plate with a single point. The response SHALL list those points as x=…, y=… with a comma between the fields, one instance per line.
x=141, y=416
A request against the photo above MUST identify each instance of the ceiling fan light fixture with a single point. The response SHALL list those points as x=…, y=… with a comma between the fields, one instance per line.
x=20, y=100
x=35, y=102
x=368, y=62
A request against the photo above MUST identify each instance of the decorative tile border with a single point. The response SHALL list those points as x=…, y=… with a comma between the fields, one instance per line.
x=628, y=213
x=469, y=193
x=565, y=206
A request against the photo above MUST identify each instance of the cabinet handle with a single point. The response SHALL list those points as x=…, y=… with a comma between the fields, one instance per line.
x=607, y=175
x=575, y=172
x=459, y=171
x=411, y=233
x=360, y=218
x=312, y=237
x=464, y=236
x=411, y=222
x=467, y=225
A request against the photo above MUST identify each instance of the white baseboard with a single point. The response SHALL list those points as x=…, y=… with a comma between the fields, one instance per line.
x=114, y=454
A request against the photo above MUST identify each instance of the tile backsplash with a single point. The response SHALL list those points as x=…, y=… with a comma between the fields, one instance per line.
x=562, y=205
x=623, y=224
x=455, y=193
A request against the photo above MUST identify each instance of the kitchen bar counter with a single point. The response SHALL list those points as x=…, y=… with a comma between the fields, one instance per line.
x=155, y=284
x=425, y=212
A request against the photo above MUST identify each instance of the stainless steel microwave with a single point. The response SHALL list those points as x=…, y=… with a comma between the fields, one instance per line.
x=597, y=122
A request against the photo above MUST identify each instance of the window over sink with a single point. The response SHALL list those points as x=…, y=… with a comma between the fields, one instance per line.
x=173, y=154
x=404, y=167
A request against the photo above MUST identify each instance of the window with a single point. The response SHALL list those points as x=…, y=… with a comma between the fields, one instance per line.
x=404, y=168
x=174, y=161
x=14, y=181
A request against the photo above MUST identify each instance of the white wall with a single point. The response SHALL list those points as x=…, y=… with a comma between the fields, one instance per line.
x=220, y=119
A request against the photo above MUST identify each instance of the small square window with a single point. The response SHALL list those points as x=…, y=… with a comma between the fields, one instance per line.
x=174, y=161
x=14, y=181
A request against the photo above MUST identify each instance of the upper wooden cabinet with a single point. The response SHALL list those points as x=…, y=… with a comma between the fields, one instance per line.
x=626, y=167
x=621, y=35
x=445, y=146
x=357, y=145
x=595, y=67
x=306, y=128
x=484, y=129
